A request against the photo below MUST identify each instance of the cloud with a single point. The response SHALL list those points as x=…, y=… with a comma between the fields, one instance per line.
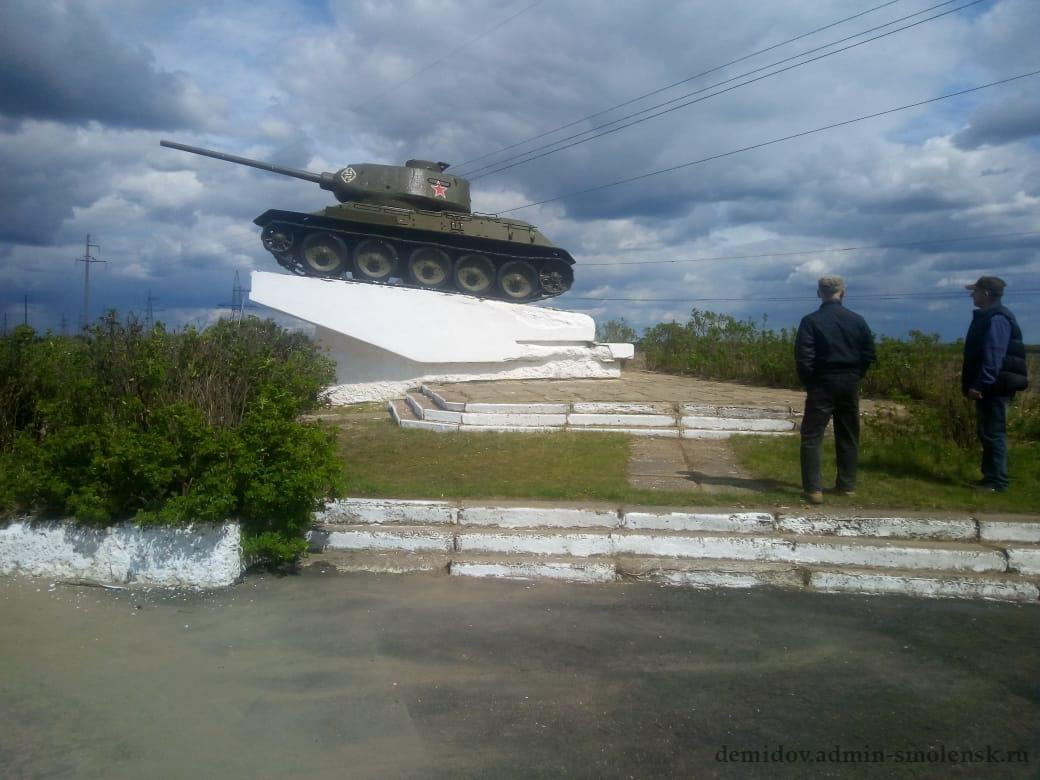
x=319, y=85
x=59, y=61
x=1015, y=118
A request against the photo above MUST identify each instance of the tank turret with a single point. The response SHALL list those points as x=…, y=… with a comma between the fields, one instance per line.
x=411, y=224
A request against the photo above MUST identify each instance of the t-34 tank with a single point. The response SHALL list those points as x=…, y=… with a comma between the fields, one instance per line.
x=411, y=223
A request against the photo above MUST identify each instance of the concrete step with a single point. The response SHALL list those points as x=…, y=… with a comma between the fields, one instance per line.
x=381, y=562
x=660, y=419
x=997, y=530
x=990, y=587
x=405, y=416
x=587, y=542
x=555, y=567
x=701, y=574
x=920, y=554
x=400, y=538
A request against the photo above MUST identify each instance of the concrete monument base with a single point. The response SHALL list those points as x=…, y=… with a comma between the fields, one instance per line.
x=386, y=340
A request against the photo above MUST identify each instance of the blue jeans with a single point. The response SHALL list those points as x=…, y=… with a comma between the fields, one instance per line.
x=992, y=414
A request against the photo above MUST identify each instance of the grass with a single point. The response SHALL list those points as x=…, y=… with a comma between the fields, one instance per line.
x=905, y=476
x=383, y=460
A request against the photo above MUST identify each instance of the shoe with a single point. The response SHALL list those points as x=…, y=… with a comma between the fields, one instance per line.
x=813, y=498
x=989, y=487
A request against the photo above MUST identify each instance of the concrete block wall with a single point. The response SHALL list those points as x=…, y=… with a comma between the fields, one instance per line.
x=920, y=554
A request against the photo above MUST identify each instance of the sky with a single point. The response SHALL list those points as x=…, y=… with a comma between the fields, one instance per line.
x=908, y=206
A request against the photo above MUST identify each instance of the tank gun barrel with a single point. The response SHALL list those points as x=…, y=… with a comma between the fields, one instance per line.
x=234, y=158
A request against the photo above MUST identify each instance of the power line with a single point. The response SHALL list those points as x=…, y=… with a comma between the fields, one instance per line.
x=859, y=296
x=774, y=141
x=677, y=83
x=815, y=251
x=706, y=97
x=454, y=51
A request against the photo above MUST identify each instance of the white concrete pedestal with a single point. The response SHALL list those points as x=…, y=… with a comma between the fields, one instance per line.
x=386, y=339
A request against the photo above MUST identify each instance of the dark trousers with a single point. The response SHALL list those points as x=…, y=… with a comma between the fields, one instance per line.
x=837, y=396
x=992, y=422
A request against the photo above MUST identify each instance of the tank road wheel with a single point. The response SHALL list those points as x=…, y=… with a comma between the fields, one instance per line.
x=474, y=274
x=517, y=280
x=374, y=260
x=429, y=266
x=323, y=254
x=555, y=277
x=277, y=238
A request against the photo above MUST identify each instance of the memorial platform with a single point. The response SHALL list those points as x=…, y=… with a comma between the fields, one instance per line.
x=386, y=339
x=640, y=403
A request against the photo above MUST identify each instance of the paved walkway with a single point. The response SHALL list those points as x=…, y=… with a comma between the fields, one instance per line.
x=697, y=466
x=690, y=466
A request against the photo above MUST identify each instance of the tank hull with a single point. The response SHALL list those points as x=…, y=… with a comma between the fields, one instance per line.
x=469, y=254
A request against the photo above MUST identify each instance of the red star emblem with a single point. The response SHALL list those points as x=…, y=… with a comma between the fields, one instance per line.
x=439, y=190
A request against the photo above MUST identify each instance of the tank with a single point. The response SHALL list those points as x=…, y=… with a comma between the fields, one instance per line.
x=410, y=225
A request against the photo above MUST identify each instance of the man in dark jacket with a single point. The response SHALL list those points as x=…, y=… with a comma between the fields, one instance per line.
x=832, y=352
x=994, y=369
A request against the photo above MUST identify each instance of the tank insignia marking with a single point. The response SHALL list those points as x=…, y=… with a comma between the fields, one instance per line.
x=439, y=190
x=348, y=175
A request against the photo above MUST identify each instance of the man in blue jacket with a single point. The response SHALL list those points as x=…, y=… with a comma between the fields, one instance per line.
x=994, y=369
x=832, y=352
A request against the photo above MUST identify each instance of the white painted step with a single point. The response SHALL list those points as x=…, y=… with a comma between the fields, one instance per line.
x=389, y=537
x=534, y=568
x=404, y=415
x=701, y=574
x=989, y=587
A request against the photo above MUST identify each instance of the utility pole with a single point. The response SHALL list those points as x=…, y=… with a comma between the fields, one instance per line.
x=87, y=259
x=149, y=311
x=238, y=300
x=25, y=310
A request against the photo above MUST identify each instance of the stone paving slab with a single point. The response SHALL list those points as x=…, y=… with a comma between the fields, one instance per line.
x=632, y=387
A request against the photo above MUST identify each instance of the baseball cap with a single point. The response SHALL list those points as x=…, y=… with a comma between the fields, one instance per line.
x=991, y=284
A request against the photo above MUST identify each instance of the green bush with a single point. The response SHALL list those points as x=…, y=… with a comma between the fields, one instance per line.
x=168, y=428
x=615, y=332
x=718, y=346
x=919, y=372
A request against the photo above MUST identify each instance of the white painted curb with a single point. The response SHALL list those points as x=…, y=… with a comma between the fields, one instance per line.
x=1009, y=531
x=379, y=510
x=408, y=538
x=952, y=529
x=571, y=572
x=1024, y=559
x=622, y=420
x=196, y=556
x=527, y=517
x=897, y=556
x=736, y=548
x=733, y=522
x=927, y=587
x=735, y=424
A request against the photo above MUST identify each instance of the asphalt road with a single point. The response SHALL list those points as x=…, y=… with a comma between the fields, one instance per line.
x=373, y=676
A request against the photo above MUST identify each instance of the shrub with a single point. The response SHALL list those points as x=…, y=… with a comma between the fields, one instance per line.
x=615, y=332
x=919, y=372
x=168, y=427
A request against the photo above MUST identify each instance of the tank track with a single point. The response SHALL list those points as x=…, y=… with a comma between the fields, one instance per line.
x=318, y=246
